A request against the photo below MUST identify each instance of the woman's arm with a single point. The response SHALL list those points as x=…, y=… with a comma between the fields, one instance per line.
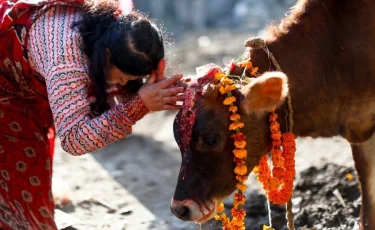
x=54, y=53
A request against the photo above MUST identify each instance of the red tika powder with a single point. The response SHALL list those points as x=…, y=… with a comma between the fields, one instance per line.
x=186, y=117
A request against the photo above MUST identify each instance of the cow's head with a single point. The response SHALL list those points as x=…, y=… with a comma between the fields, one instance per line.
x=201, y=129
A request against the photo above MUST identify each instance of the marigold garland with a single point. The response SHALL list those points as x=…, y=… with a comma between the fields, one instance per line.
x=238, y=214
x=277, y=183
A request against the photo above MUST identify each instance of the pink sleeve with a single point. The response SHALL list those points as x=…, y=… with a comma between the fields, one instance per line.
x=54, y=53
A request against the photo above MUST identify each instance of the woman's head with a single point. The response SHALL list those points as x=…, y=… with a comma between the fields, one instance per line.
x=120, y=48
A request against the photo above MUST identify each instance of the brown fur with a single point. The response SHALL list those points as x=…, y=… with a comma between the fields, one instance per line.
x=326, y=48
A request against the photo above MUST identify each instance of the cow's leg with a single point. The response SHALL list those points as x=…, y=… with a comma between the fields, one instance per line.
x=364, y=158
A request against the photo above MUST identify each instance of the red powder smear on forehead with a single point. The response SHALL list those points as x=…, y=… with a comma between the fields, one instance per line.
x=187, y=115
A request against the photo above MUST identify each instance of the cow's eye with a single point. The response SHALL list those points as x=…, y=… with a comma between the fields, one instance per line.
x=210, y=140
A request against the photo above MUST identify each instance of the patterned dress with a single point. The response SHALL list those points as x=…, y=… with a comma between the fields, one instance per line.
x=44, y=84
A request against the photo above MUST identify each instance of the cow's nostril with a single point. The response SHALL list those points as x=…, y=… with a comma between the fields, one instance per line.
x=181, y=212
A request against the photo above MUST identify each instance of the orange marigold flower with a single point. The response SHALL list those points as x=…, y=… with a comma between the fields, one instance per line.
x=235, y=227
x=256, y=170
x=222, y=90
x=240, y=170
x=241, y=186
x=277, y=158
x=225, y=220
x=240, y=153
x=242, y=178
x=278, y=172
x=219, y=76
x=238, y=136
x=227, y=88
x=239, y=161
x=240, y=144
x=230, y=87
x=289, y=164
x=288, y=136
x=220, y=208
x=274, y=126
x=239, y=199
x=233, y=109
x=254, y=71
x=236, y=125
x=234, y=117
x=239, y=214
x=274, y=184
x=248, y=64
x=226, y=81
x=276, y=135
x=276, y=143
x=273, y=117
x=229, y=100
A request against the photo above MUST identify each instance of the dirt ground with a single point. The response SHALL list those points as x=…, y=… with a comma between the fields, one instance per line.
x=129, y=184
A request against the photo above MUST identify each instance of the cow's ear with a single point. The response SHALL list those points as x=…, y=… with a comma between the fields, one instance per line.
x=265, y=92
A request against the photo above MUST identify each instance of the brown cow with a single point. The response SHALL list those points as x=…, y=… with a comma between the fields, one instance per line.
x=326, y=49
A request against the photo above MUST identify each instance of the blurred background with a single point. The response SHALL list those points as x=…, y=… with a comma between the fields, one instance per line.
x=209, y=26
x=183, y=16
x=129, y=184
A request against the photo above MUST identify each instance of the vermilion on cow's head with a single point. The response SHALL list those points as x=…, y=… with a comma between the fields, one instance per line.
x=201, y=129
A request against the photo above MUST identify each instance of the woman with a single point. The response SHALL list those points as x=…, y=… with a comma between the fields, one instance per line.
x=60, y=61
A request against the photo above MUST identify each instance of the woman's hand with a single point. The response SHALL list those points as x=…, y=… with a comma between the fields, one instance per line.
x=161, y=94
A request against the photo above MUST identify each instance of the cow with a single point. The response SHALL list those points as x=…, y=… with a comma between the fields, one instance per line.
x=326, y=50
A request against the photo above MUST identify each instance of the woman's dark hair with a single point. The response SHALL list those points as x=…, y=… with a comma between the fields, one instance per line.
x=134, y=42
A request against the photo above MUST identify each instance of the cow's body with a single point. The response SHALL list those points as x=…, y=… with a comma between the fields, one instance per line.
x=327, y=50
x=328, y=54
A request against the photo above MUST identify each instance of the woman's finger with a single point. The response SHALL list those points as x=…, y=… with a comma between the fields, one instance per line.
x=170, y=81
x=171, y=91
x=171, y=107
x=173, y=99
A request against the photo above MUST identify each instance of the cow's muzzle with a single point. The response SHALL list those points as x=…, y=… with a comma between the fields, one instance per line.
x=192, y=210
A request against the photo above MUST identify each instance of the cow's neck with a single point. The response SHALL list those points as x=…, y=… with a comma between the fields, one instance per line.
x=297, y=46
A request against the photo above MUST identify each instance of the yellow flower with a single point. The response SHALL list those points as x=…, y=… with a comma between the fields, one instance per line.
x=217, y=217
x=349, y=176
x=219, y=76
x=240, y=170
x=235, y=117
x=229, y=100
x=240, y=153
x=220, y=208
x=241, y=186
x=240, y=144
x=265, y=227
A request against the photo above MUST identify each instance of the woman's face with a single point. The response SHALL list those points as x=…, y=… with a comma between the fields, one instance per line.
x=117, y=77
